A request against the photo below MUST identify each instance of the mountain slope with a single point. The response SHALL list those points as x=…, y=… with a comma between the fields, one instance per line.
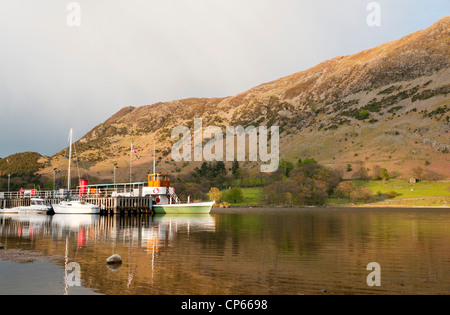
x=19, y=164
x=385, y=106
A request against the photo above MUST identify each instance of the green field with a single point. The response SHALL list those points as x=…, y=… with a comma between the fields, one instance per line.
x=407, y=190
x=419, y=194
x=252, y=197
x=422, y=194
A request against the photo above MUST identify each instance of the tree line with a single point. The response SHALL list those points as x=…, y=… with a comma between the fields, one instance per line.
x=305, y=183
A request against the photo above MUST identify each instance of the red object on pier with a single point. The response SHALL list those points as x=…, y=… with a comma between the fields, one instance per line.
x=83, y=186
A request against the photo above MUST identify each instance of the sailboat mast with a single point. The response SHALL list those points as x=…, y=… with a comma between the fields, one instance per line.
x=131, y=151
x=70, y=158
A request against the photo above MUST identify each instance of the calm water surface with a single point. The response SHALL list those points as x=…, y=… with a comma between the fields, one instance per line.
x=243, y=251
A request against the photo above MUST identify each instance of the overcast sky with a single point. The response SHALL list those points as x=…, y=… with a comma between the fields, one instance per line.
x=139, y=52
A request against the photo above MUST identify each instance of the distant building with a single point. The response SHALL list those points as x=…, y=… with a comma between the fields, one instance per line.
x=413, y=180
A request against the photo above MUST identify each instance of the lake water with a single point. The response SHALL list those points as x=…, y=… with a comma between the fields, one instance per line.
x=238, y=252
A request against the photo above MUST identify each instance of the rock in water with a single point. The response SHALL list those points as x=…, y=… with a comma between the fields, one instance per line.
x=1, y=246
x=114, y=259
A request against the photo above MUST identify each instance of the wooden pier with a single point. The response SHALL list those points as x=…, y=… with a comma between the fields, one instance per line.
x=108, y=205
x=121, y=205
x=16, y=202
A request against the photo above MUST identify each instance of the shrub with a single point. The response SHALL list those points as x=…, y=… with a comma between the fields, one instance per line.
x=392, y=194
x=361, y=194
x=376, y=172
x=307, y=161
x=364, y=114
x=384, y=174
x=344, y=189
x=215, y=194
x=287, y=167
x=365, y=194
x=234, y=195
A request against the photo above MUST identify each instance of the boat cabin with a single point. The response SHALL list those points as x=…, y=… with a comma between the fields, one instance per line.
x=159, y=189
x=159, y=180
x=37, y=202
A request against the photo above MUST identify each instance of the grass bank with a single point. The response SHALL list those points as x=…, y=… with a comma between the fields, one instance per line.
x=407, y=190
x=421, y=194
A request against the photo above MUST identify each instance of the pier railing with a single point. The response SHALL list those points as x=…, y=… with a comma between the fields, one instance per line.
x=109, y=200
x=74, y=193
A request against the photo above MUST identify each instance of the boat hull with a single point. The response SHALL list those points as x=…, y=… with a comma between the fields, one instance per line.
x=34, y=210
x=12, y=210
x=183, y=208
x=58, y=209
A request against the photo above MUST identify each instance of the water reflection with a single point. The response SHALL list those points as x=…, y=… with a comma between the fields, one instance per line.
x=90, y=239
x=269, y=252
x=165, y=227
x=138, y=231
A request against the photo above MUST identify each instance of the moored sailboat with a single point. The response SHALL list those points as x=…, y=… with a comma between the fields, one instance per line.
x=74, y=206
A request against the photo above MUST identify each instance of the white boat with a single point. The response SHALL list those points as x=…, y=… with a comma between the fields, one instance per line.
x=165, y=201
x=11, y=210
x=37, y=205
x=184, y=208
x=74, y=206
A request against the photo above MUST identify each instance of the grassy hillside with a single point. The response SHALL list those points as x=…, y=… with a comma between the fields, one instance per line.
x=19, y=164
x=387, y=106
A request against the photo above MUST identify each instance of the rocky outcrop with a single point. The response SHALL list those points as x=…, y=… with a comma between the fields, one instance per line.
x=436, y=145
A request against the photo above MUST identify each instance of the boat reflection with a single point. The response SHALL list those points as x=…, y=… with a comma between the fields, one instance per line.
x=165, y=226
x=147, y=232
x=64, y=222
x=23, y=225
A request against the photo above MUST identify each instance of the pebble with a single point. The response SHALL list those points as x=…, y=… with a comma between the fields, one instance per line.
x=114, y=259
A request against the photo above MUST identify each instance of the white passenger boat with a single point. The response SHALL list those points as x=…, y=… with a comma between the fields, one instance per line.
x=165, y=201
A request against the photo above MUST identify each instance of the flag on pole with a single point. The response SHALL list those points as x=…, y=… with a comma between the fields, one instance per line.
x=135, y=153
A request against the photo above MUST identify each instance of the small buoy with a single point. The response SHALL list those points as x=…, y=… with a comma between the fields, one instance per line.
x=114, y=259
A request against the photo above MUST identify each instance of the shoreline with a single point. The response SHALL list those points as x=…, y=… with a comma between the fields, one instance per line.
x=281, y=209
x=21, y=256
